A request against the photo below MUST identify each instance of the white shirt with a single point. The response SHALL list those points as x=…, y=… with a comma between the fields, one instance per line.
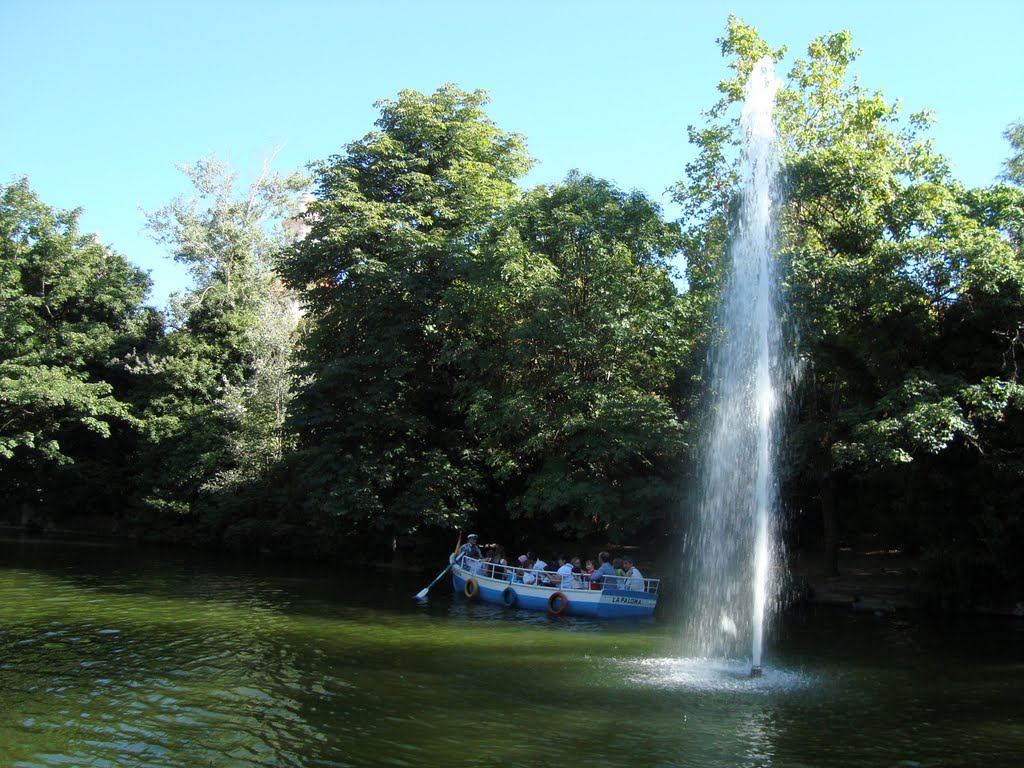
x=565, y=571
x=634, y=580
x=535, y=575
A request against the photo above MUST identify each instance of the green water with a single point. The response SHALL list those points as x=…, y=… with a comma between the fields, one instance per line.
x=119, y=657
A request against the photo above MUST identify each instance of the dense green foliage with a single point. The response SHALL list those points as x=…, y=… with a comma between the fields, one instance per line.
x=383, y=444
x=905, y=292
x=577, y=339
x=215, y=391
x=441, y=348
x=1014, y=167
x=68, y=306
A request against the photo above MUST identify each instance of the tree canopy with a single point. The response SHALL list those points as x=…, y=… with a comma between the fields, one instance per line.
x=383, y=442
x=68, y=306
x=434, y=346
x=894, y=271
x=214, y=392
x=571, y=366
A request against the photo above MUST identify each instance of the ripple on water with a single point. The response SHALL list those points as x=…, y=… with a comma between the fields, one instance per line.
x=716, y=676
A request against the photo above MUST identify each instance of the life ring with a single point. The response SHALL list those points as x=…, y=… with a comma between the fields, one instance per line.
x=509, y=597
x=558, y=603
x=471, y=588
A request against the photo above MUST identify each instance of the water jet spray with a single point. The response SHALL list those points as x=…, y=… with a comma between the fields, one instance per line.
x=734, y=551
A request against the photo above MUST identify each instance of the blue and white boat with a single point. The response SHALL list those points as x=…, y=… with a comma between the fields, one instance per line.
x=505, y=585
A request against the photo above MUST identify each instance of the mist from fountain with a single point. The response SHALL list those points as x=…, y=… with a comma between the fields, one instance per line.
x=731, y=549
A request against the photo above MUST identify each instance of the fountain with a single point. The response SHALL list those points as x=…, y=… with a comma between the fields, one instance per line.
x=730, y=549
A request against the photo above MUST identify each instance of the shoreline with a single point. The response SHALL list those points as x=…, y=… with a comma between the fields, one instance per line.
x=885, y=582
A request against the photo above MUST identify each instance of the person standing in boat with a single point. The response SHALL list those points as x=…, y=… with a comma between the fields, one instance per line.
x=604, y=576
x=632, y=578
x=470, y=549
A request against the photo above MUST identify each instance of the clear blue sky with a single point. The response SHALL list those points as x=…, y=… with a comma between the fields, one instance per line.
x=102, y=98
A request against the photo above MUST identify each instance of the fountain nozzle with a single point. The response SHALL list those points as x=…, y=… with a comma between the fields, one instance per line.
x=755, y=671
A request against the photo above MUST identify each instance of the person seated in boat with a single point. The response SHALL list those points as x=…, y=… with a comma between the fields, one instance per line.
x=535, y=571
x=470, y=549
x=577, y=573
x=564, y=578
x=604, y=576
x=518, y=571
x=617, y=565
x=529, y=574
x=632, y=579
x=497, y=562
x=540, y=567
x=486, y=560
x=587, y=573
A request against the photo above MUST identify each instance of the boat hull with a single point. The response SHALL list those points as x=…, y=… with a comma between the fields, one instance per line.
x=595, y=603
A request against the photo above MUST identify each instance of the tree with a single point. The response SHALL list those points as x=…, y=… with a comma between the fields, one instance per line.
x=383, y=444
x=1013, y=169
x=220, y=383
x=68, y=306
x=890, y=261
x=572, y=362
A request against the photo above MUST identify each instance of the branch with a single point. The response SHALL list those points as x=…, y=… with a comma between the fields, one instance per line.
x=264, y=172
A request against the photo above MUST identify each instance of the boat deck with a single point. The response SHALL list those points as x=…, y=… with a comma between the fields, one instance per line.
x=517, y=587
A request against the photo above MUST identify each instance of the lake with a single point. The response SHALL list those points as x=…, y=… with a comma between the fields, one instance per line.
x=119, y=656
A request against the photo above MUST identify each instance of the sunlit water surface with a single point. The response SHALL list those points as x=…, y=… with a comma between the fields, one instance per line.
x=121, y=657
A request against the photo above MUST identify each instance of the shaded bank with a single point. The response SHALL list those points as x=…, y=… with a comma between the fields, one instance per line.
x=879, y=578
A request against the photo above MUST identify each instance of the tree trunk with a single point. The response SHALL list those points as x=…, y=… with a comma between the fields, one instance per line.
x=830, y=523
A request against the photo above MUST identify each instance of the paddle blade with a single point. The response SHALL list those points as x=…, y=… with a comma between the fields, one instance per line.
x=423, y=592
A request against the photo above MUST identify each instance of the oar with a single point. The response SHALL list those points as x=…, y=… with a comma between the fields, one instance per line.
x=423, y=592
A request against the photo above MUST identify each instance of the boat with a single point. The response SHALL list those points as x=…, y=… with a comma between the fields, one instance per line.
x=505, y=585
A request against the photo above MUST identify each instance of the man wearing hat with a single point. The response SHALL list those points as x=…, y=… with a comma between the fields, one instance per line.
x=470, y=549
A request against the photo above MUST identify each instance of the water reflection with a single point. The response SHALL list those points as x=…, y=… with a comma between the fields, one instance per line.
x=756, y=732
x=114, y=677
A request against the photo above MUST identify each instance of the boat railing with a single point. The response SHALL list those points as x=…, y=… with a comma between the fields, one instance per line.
x=528, y=576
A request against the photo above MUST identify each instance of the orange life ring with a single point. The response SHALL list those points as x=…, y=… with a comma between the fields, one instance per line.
x=471, y=588
x=558, y=603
